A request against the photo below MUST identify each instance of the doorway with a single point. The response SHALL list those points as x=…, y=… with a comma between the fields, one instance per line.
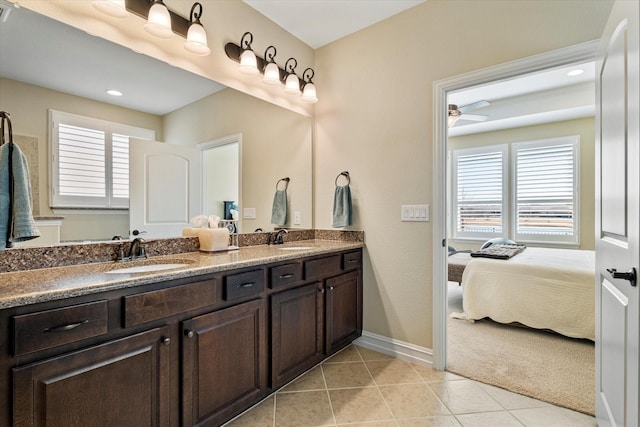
x=442, y=89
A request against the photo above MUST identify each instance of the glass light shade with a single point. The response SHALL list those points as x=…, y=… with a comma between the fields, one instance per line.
x=113, y=8
x=248, y=62
x=309, y=93
x=271, y=74
x=292, y=85
x=197, y=40
x=159, y=21
x=452, y=120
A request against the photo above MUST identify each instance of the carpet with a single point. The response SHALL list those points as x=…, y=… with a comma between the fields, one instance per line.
x=538, y=364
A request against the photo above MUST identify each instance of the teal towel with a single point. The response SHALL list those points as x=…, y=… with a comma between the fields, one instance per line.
x=21, y=226
x=279, y=208
x=342, y=208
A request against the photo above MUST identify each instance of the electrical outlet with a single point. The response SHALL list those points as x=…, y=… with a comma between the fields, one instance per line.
x=296, y=218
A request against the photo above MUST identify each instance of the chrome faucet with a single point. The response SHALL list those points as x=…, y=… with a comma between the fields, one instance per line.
x=137, y=249
x=276, y=238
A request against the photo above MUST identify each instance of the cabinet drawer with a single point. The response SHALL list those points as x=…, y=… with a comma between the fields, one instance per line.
x=243, y=285
x=155, y=305
x=51, y=328
x=351, y=260
x=322, y=267
x=287, y=274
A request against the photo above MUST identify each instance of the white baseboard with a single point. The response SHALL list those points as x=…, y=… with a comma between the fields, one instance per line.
x=400, y=349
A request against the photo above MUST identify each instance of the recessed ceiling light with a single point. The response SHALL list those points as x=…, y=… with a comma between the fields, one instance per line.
x=114, y=92
x=576, y=72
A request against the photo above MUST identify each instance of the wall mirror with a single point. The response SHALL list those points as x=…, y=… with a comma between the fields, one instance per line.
x=55, y=66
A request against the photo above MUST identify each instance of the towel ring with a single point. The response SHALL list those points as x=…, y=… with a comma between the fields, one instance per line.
x=286, y=183
x=346, y=175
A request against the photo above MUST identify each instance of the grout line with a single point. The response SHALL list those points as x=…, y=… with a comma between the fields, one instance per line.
x=326, y=389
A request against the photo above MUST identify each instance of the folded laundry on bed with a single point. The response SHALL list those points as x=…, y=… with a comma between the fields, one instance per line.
x=500, y=251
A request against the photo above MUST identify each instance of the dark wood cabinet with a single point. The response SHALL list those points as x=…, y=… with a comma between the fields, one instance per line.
x=193, y=351
x=224, y=367
x=297, y=331
x=120, y=383
x=343, y=310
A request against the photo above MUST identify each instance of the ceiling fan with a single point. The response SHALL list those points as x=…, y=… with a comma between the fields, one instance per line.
x=460, y=113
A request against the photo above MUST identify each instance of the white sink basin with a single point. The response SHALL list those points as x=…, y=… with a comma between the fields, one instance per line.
x=295, y=248
x=146, y=268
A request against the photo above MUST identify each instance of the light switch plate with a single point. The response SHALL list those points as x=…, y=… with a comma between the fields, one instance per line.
x=296, y=218
x=249, y=213
x=414, y=213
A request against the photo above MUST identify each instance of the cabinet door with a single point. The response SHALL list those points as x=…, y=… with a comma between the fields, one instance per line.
x=297, y=323
x=119, y=383
x=224, y=363
x=343, y=310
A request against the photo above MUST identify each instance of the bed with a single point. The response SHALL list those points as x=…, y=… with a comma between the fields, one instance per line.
x=542, y=288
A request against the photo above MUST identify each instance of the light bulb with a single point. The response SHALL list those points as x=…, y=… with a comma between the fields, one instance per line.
x=159, y=21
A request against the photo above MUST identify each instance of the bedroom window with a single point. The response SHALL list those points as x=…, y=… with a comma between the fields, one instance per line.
x=546, y=190
x=90, y=161
x=480, y=176
x=532, y=198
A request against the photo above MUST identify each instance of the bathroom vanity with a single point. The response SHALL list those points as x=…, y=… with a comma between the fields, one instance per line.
x=189, y=346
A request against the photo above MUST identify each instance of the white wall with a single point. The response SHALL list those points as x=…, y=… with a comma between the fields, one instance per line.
x=374, y=119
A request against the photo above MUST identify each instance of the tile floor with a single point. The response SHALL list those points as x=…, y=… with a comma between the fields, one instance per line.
x=362, y=388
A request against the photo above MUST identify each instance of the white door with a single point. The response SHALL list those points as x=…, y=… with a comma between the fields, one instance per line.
x=164, y=181
x=618, y=219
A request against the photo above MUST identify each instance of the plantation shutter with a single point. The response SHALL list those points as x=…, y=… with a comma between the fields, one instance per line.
x=480, y=202
x=81, y=161
x=546, y=191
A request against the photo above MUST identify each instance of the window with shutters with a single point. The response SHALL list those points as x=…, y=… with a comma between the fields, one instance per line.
x=90, y=161
x=479, y=186
x=531, y=198
x=546, y=190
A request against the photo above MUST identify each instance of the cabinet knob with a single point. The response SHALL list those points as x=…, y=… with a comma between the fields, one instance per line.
x=331, y=288
x=166, y=340
x=321, y=290
x=188, y=333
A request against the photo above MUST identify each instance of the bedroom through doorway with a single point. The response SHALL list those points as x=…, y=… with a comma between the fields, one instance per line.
x=501, y=138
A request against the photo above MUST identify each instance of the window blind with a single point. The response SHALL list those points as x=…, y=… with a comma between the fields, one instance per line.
x=479, y=189
x=545, y=189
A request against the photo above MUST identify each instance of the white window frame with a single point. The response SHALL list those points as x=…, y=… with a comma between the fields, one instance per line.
x=81, y=203
x=461, y=235
x=574, y=239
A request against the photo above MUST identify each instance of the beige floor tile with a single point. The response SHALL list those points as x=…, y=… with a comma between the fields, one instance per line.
x=412, y=401
x=446, y=421
x=349, y=354
x=395, y=371
x=553, y=416
x=311, y=380
x=493, y=419
x=367, y=354
x=354, y=405
x=372, y=424
x=430, y=374
x=464, y=396
x=305, y=408
x=343, y=375
x=510, y=400
x=260, y=415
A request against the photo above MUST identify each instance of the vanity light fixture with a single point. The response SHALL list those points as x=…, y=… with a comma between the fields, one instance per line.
x=248, y=60
x=115, y=8
x=292, y=83
x=162, y=22
x=271, y=70
x=196, y=36
x=308, y=88
x=159, y=21
x=272, y=74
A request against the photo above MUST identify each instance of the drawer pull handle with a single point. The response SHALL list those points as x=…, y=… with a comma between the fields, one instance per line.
x=353, y=260
x=245, y=285
x=63, y=328
x=286, y=276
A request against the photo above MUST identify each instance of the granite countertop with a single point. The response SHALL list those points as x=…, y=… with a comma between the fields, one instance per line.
x=47, y=284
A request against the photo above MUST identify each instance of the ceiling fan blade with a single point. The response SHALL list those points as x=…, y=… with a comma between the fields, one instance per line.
x=473, y=117
x=474, y=106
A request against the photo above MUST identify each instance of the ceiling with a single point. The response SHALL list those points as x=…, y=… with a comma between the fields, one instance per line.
x=319, y=22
